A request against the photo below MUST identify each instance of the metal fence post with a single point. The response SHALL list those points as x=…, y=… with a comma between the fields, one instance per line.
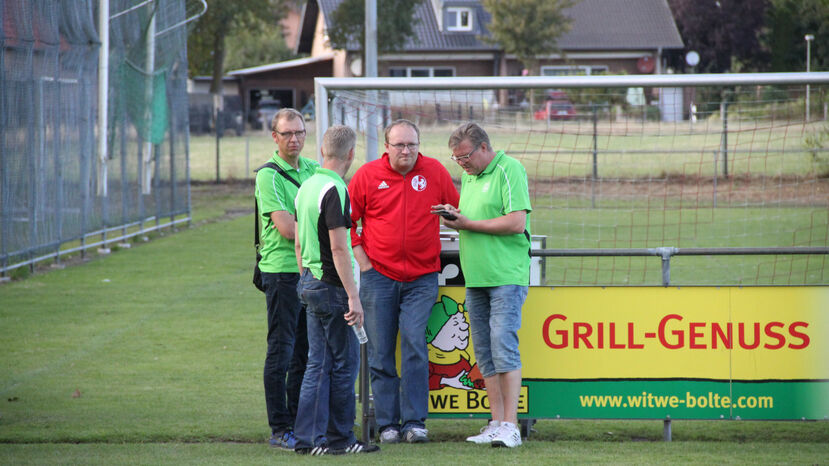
x=666, y=253
x=724, y=115
x=218, y=128
x=595, y=157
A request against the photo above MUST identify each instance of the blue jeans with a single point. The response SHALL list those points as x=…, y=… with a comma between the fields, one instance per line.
x=391, y=306
x=494, y=318
x=287, y=349
x=326, y=402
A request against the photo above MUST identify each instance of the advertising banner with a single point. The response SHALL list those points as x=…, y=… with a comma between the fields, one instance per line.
x=647, y=353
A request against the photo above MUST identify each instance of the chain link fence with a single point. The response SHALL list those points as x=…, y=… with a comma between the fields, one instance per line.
x=68, y=182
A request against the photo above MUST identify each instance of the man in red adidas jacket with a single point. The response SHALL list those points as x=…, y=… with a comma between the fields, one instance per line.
x=399, y=256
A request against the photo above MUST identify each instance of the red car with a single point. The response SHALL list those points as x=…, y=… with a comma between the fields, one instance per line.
x=556, y=107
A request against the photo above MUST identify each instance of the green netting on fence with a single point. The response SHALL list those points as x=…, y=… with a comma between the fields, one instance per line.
x=146, y=99
x=58, y=187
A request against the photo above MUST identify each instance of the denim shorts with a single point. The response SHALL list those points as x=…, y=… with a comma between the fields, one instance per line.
x=495, y=317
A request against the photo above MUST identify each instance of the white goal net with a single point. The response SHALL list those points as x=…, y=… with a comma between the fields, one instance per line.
x=639, y=165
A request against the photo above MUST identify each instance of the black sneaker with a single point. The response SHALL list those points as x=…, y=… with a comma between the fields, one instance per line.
x=356, y=447
x=316, y=451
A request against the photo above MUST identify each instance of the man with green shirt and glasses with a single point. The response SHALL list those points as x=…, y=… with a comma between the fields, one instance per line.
x=493, y=224
x=326, y=414
x=276, y=189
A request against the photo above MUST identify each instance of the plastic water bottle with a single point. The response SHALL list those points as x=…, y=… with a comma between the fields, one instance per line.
x=361, y=334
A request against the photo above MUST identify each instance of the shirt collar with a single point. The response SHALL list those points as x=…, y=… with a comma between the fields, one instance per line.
x=493, y=163
x=302, y=162
x=330, y=173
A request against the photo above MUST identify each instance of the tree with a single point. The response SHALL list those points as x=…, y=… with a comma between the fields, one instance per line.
x=207, y=44
x=725, y=33
x=527, y=28
x=395, y=24
x=788, y=21
x=259, y=43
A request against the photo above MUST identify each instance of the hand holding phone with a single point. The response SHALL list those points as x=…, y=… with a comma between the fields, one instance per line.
x=445, y=214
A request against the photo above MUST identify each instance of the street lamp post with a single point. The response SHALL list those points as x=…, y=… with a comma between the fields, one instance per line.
x=809, y=38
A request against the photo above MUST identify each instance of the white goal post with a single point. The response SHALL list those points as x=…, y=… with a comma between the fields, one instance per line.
x=323, y=86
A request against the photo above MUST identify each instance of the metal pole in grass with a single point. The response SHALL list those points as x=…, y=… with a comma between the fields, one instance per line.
x=809, y=38
x=157, y=186
x=595, y=157
x=218, y=130
x=247, y=154
x=172, y=175
x=715, y=178
x=371, y=154
x=724, y=115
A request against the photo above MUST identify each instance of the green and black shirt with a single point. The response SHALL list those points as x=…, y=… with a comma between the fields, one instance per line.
x=322, y=204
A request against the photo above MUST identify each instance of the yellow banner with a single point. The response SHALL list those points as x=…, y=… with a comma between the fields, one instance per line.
x=727, y=333
x=454, y=400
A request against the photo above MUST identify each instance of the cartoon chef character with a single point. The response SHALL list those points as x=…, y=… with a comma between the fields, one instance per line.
x=447, y=333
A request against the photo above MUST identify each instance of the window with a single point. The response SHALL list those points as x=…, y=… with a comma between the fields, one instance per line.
x=580, y=70
x=458, y=19
x=421, y=72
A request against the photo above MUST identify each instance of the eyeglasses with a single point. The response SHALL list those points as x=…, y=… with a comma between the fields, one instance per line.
x=289, y=134
x=458, y=158
x=412, y=147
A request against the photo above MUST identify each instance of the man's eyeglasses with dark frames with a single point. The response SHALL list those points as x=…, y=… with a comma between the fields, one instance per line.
x=412, y=147
x=289, y=134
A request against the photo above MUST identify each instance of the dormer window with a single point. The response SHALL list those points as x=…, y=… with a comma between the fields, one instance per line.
x=458, y=19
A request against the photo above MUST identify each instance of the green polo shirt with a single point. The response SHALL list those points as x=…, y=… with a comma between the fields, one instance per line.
x=274, y=193
x=322, y=205
x=495, y=260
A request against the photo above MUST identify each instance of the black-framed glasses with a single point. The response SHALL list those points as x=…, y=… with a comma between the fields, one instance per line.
x=412, y=147
x=289, y=134
x=458, y=158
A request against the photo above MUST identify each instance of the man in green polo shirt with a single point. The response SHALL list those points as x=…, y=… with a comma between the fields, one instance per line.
x=493, y=222
x=287, y=337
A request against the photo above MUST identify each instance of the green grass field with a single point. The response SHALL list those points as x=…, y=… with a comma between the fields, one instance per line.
x=153, y=355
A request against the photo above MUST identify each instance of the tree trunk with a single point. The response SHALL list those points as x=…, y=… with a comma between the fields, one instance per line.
x=218, y=60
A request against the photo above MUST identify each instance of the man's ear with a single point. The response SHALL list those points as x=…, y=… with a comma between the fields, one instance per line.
x=351, y=155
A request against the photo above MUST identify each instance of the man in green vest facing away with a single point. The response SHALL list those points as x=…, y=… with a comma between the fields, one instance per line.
x=326, y=413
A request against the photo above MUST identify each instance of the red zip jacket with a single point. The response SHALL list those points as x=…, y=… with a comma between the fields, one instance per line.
x=400, y=234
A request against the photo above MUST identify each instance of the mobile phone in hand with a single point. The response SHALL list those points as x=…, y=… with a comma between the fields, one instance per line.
x=446, y=214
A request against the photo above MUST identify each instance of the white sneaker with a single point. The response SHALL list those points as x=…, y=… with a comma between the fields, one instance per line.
x=487, y=433
x=416, y=435
x=507, y=435
x=390, y=435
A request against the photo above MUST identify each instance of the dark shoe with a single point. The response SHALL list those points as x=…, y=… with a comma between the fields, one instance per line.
x=316, y=451
x=285, y=441
x=356, y=447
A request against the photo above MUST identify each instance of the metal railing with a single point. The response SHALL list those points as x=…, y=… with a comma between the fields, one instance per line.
x=103, y=243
